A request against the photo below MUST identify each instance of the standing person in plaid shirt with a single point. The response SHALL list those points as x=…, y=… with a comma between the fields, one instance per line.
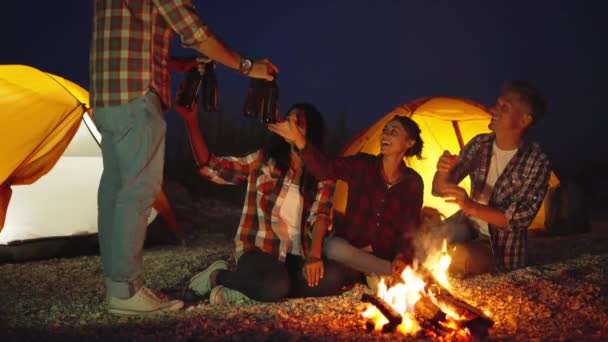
x=130, y=89
x=509, y=178
x=384, y=203
x=285, y=217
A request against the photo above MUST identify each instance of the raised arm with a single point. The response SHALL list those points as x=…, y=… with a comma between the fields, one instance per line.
x=441, y=178
x=181, y=15
x=317, y=162
x=199, y=146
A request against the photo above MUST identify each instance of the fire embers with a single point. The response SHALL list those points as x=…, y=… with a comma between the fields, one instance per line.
x=420, y=305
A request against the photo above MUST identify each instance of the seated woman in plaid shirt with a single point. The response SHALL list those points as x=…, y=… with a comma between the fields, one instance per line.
x=384, y=197
x=285, y=217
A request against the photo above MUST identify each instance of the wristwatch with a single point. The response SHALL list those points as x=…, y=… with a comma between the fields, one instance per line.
x=245, y=66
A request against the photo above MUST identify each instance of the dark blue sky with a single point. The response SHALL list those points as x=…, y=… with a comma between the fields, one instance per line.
x=364, y=57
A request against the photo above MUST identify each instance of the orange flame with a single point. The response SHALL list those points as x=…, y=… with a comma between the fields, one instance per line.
x=438, y=264
x=403, y=296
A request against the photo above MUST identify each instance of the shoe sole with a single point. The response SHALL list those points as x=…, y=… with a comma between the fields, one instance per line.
x=213, y=295
x=201, y=274
x=213, y=298
x=122, y=312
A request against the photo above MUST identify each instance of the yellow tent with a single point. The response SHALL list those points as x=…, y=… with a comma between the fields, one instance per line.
x=40, y=114
x=447, y=124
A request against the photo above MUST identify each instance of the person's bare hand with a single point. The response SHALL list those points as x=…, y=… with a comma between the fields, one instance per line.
x=200, y=63
x=446, y=162
x=458, y=195
x=397, y=267
x=263, y=68
x=203, y=59
x=314, y=270
x=288, y=129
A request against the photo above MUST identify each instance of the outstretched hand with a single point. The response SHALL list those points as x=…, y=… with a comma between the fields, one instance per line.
x=397, y=267
x=289, y=131
x=263, y=68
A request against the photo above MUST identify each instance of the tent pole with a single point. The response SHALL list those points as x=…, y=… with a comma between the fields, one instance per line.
x=458, y=134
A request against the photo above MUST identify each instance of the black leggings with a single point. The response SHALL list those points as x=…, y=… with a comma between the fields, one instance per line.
x=261, y=276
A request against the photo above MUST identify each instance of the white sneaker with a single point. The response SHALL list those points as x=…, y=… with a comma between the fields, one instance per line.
x=143, y=302
x=221, y=295
x=201, y=282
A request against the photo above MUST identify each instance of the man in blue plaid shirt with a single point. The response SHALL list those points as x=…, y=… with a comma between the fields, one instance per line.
x=509, y=179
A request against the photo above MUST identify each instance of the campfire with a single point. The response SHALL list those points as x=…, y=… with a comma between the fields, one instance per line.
x=421, y=305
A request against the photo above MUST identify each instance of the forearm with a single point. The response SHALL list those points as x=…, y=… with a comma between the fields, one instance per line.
x=316, y=162
x=319, y=230
x=199, y=146
x=486, y=213
x=218, y=51
x=440, y=181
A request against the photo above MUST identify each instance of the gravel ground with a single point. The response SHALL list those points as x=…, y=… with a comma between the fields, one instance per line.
x=564, y=297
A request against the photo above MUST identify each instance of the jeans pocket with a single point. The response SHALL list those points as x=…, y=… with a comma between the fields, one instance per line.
x=116, y=121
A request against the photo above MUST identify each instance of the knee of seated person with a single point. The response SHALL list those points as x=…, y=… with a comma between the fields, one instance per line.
x=336, y=249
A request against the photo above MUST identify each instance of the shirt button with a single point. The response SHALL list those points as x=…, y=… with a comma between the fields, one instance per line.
x=377, y=224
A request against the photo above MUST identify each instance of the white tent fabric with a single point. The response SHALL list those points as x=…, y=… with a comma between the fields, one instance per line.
x=63, y=202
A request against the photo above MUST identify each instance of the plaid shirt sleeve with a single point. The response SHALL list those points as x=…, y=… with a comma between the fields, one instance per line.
x=529, y=197
x=321, y=208
x=230, y=170
x=343, y=168
x=465, y=164
x=181, y=15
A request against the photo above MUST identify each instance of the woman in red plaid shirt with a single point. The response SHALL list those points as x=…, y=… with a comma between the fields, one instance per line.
x=384, y=197
x=285, y=217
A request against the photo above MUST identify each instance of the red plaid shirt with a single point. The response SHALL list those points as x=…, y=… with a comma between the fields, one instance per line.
x=266, y=191
x=130, y=47
x=385, y=218
x=519, y=191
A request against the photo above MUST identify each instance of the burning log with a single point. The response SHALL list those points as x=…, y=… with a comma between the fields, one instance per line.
x=439, y=313
x=393, y=317
x=441, y=302
x=449, y=304
x=465, y=314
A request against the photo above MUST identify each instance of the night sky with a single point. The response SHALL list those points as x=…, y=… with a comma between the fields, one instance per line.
x=365, y=57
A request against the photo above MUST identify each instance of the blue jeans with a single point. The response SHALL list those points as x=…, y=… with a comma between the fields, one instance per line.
x=133, y=148
x=470, y=251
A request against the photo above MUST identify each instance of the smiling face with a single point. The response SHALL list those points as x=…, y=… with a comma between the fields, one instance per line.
x=510, y=114
x=394, y=139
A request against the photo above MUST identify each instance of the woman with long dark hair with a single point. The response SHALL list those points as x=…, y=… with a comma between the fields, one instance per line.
x=286, y=214
x=384, y=197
